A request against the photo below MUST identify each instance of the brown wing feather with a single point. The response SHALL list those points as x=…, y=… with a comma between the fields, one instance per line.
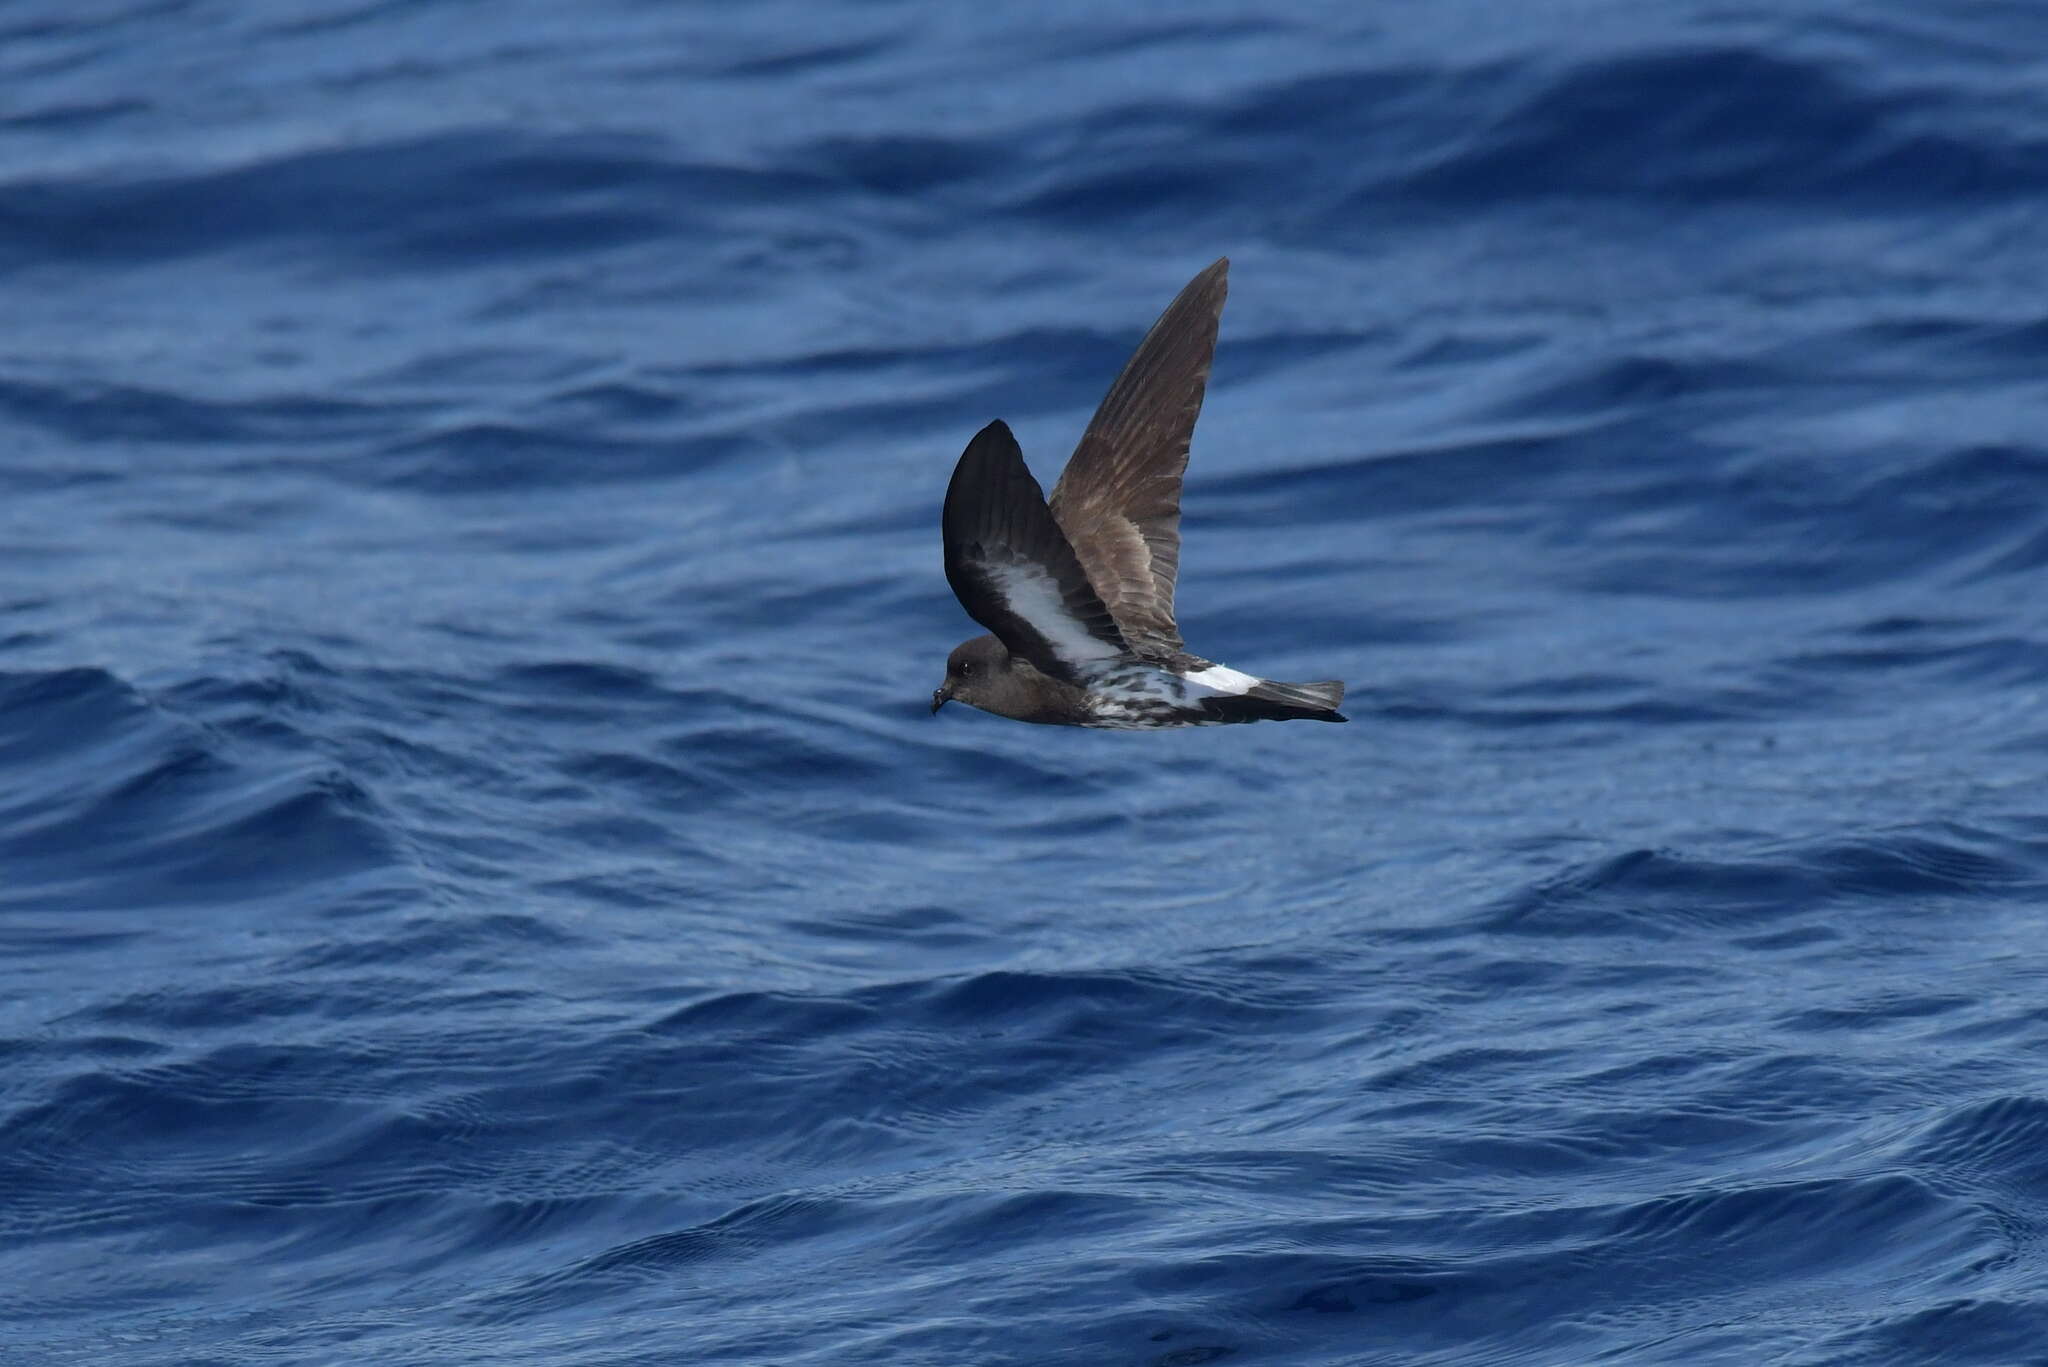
x=1119, y=498
x=1012, y=568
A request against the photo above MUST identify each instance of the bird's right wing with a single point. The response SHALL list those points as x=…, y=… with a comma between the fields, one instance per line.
x=1119, y=498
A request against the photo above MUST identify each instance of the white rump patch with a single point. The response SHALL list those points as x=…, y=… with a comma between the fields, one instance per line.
x=1222, y=679
x=1034, y=595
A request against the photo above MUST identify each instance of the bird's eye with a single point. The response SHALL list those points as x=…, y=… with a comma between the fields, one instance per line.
x=966, y=669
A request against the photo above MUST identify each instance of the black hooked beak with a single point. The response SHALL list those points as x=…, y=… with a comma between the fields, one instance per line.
x=941, y=695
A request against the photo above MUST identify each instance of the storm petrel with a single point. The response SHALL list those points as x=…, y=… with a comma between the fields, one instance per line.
x=1078, y=592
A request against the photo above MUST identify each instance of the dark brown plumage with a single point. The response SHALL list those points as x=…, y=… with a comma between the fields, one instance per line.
x=1119, y=498
x=996, y=522
x=1078, y=592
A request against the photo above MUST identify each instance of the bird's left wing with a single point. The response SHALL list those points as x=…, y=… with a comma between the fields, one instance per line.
x=1012, y=568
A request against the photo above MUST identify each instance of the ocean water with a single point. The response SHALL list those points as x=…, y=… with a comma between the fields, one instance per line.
x=478, y=880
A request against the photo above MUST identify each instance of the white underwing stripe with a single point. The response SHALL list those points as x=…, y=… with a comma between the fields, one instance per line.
x=1034, y=595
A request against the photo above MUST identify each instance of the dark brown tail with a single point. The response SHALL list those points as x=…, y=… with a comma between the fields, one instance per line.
x=1276, y=701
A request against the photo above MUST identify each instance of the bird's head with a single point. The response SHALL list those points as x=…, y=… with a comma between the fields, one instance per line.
x=981, y=674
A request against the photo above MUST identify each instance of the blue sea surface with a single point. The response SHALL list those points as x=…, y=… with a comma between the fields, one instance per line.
x=479, y=883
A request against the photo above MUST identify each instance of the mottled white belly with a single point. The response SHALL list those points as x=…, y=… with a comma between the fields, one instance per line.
x=1148, y=698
